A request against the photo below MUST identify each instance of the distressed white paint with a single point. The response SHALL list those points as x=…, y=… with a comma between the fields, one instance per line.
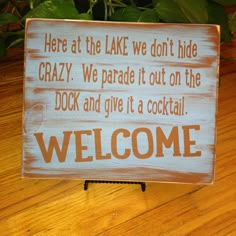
x=200, y=103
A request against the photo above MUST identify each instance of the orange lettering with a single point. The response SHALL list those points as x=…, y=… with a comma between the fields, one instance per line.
x=115, y=153
x=53, y=145
x=188, y=142
x=173, y=139
x=98, y=146
x=149, y=142
x=80, y=147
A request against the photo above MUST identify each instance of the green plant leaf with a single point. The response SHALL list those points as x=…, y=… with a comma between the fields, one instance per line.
x=18, y=33
x=57, y=9
x=130, y=14
x=7, y=18
x=169, y=11
x=154, y=2
x=15, y=43
x=195, y=11
x=232, y=22
x=217, y=15
x=226, y=2
x=35, y=3
x=149, y=15
x=85, y=16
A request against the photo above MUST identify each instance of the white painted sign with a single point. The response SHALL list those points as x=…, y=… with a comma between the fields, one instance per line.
x=120, y=101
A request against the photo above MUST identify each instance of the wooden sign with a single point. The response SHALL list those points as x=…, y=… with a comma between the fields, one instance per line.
x=120, y=101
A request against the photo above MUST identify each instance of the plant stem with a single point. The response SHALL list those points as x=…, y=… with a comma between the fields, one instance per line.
x=227, y=59
x=15, y=9
x=105, y=6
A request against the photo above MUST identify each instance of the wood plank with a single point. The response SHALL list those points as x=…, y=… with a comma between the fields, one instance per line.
x=221, y=208
x=149, y=102
x=114, y=205
x=194, y=213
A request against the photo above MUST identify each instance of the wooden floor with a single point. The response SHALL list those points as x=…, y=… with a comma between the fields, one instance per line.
x=58, y=207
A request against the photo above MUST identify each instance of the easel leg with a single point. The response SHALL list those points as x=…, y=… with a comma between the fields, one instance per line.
x=86, y=183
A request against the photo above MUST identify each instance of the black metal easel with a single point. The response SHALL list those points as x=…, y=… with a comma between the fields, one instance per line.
x=86, y=183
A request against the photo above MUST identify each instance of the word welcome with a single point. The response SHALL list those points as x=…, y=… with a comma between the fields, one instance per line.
x=154, y=139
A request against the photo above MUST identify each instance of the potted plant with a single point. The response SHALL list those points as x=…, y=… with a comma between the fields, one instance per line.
x=14, y=12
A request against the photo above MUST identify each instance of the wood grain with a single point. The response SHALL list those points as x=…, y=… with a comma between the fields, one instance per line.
x=61, y=207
